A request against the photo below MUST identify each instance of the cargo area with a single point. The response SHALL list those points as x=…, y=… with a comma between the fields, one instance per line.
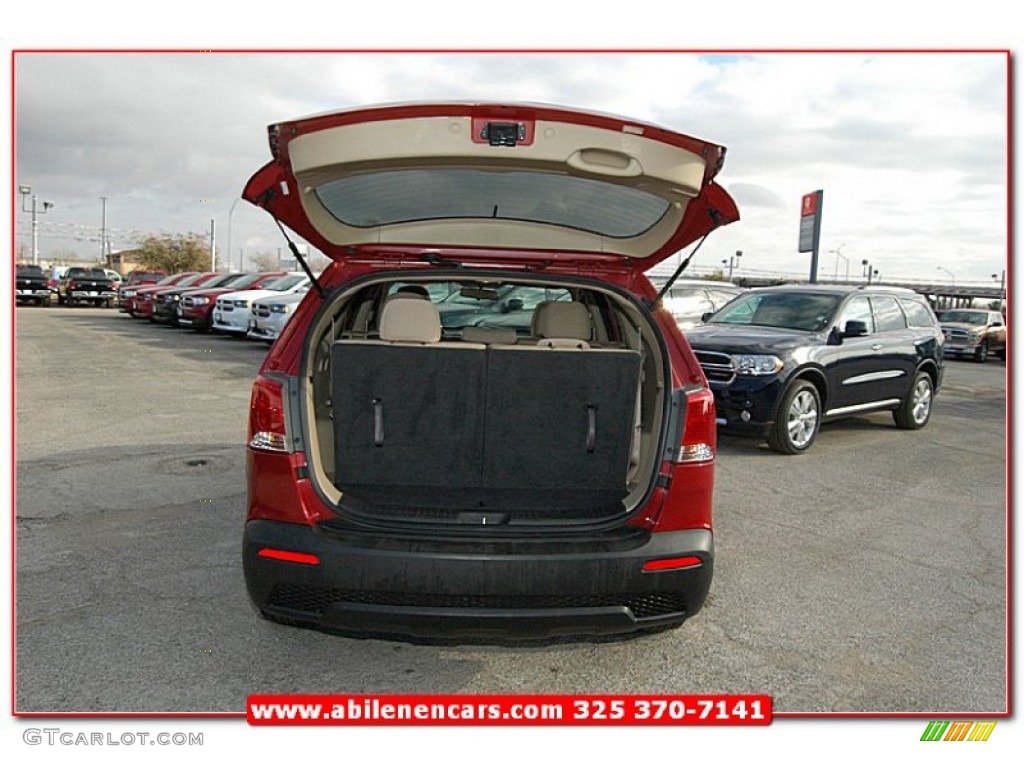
x=484, y=403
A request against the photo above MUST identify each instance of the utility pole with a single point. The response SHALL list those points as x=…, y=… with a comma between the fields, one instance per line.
x=26, y=190
x=213, y=248
x=103, y=233
x=839, y=255
x=231, y=212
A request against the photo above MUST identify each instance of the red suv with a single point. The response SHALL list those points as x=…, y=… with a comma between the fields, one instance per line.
x=480, y=422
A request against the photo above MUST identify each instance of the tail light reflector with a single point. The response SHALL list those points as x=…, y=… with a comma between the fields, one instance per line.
x=671, y=563
x=288, y=556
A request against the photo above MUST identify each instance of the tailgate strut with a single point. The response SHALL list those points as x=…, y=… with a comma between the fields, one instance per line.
x=675, y=275
x=298, y=257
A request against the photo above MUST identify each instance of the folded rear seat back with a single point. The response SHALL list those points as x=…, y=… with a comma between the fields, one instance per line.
x=560, y=420
x=460, y=426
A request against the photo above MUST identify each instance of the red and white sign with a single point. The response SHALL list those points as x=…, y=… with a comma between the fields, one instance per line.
x=809, y=204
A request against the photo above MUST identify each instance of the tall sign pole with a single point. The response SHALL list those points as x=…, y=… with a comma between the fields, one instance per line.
x=810, y=227
x=213, y=248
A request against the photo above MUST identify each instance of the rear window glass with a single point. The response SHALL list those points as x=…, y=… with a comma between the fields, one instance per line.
x=395, y=197
x=493, y=305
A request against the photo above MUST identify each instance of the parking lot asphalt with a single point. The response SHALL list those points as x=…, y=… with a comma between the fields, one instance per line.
x=868, y=576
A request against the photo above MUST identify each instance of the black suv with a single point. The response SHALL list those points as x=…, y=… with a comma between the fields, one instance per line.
x=782, y=360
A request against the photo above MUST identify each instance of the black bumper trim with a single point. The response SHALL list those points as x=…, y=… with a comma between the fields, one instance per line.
x=528, y=592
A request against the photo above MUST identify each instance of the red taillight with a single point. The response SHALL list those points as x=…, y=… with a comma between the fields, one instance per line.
x=689, y=481
x=267, y=429
x=700, y=436
x=72, y=285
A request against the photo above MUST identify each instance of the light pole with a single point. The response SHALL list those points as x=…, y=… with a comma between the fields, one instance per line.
x=1002, y=287
x=867, y=269
x=951, y=275
x=839, y=255
x=26, y=190
x=231, y=212
x=732, y=261
x=103, y=232
x=213, y=248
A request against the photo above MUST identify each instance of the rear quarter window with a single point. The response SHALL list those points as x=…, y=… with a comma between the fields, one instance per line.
x=918, y=314
x=888, y=315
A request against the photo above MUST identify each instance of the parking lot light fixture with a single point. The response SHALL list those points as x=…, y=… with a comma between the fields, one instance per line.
x=25, y=190
x=1001, y=277
x=732, y=261
x=951, y=275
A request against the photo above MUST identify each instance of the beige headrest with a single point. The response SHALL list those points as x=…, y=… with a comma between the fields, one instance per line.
x=562, y=320
x=410, y=319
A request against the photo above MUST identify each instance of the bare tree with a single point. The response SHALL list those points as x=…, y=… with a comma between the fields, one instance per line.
x=264, y=262
x=174, y=253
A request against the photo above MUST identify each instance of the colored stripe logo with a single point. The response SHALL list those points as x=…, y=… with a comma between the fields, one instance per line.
x=958, y=730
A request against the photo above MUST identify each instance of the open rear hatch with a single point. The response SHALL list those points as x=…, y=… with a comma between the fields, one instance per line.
x=493, y=179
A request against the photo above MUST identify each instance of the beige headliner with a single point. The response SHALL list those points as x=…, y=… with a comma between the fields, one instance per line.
x=623, y=157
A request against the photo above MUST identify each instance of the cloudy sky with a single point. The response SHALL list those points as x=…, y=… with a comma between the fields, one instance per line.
x=909, y=148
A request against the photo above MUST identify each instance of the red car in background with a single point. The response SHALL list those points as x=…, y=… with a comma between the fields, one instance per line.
x=144, y=276
x=196, y=307
x=143, y=304
x=136, y=279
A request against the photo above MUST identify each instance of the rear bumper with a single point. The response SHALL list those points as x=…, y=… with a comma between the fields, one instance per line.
x=491, y=589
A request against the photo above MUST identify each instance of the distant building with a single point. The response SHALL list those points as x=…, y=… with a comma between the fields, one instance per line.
x=125, y=261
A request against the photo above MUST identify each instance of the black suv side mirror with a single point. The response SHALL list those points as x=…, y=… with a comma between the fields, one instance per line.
x=706, y=316
x=854, y=328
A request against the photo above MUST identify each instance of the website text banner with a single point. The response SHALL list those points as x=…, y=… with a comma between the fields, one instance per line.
x=457, y=709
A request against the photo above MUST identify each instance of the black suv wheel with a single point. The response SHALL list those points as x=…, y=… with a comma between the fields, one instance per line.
x=917, y=408
x=798, y=420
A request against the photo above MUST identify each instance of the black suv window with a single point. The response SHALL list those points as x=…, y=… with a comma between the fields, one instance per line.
x=857, y=308
x=888, y=315
x=918, y=314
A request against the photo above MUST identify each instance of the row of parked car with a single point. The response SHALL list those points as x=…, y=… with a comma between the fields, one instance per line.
x=244, y=304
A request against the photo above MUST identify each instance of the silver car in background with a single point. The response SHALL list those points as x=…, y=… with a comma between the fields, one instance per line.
x=690, y=300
